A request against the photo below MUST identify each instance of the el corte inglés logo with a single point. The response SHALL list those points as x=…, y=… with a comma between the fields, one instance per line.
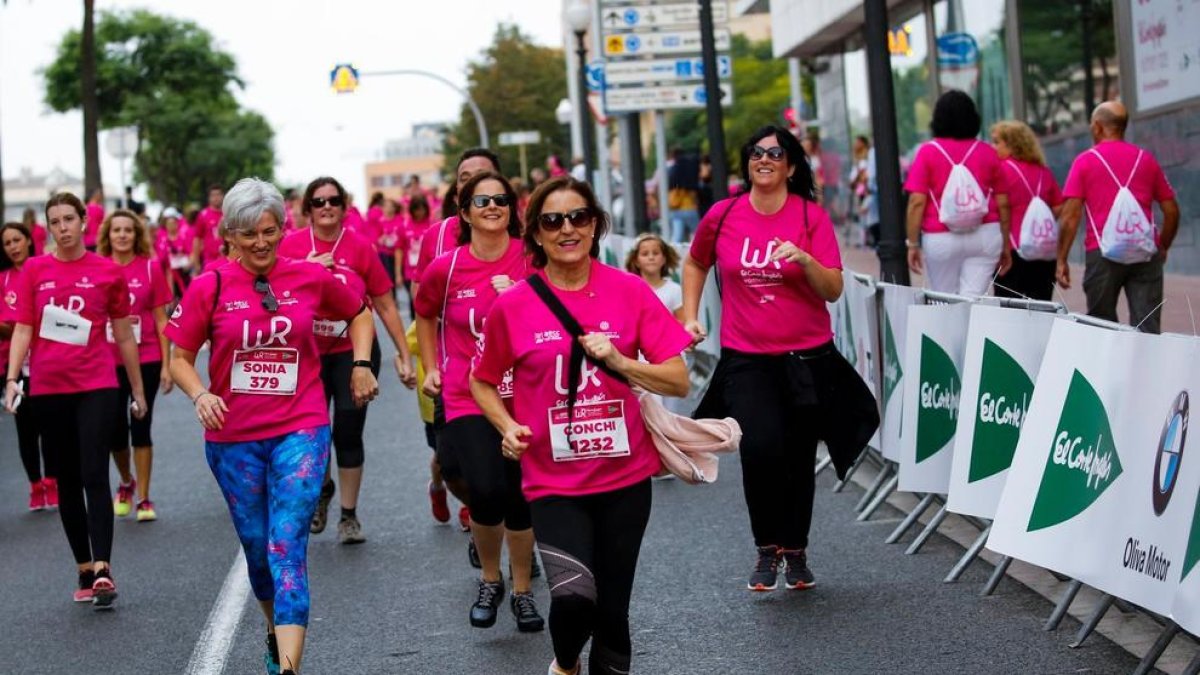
x=1005, y=390
x=892, y=372
x=937, y=410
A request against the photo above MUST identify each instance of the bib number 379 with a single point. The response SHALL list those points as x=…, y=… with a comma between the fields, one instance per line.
x=595, y=430
x=271, y=372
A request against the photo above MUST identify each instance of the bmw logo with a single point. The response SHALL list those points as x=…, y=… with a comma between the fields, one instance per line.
x=1170, y=453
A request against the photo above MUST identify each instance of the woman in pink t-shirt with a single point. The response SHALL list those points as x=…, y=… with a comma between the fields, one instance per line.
x=264, y=413
x=957, y=221
x=390, y=240
x=124, y=239
x=416, y=225
x=70, y=297
x=576, y=425
x=17, y=248
x=173, y=244
x=456, y=293
x=777, y=265
x=1024, y=176
x=95, y=216
x=36, y=230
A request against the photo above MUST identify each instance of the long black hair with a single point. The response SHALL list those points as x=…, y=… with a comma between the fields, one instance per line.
x=801, y=181
x=464, y=205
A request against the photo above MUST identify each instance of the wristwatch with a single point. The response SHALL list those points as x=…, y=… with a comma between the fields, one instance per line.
x=361, y=364
x=912, y=244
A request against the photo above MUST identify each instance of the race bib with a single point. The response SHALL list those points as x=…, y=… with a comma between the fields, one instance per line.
x=329, y=329
x=271, y=372
x=180, y=261
x=597, y=430
x=389, y=240
x=414, y=255
x=135, y=322
x=60, y=325
x=506, y=386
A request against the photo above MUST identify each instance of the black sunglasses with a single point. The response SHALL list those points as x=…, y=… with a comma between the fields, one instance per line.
x=775, y=153
x=269, y=302
x=320, y=202
x=481, y=201
x=578, y=217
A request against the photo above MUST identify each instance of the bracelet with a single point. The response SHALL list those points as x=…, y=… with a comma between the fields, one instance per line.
x=197, y=396
x=362, y=364
x=912, y=244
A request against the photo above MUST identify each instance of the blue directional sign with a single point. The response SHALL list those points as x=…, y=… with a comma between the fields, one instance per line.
x=595, y=76
x=631, y=17
x=632, y=43
x=957, y=49
x=685, y=68
x=701, y=95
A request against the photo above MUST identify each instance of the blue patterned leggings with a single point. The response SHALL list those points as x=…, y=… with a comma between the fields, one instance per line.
x=271, y=487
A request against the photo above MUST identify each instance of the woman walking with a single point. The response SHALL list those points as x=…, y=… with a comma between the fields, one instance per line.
x=1035, y=203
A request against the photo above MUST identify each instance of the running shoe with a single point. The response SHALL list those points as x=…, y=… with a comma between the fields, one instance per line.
x=51, y=487
x=84, y=592
x=796, y=572
x=271, y=657
x=123, y=502
x=555, y=669
x=350, y=531
x=464, y=519
x=437, y=503
x=473, y=555
x=104, y=591
x=37, y=496
x=321, y=515
x=483, y=612
x=766, y=570
x=145, y=511
x=524, y=609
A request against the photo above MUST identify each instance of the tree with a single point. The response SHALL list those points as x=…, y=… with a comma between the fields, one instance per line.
x=166, y=77
x=89, y=100
x=517, y=85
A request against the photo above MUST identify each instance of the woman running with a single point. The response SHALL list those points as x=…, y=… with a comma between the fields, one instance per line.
x=390, y=241
x=36, y=230
x=173, y=245
x=586, y=457
x=264, y=413
x=71, y=297
x=416, y=225
x=124, y=239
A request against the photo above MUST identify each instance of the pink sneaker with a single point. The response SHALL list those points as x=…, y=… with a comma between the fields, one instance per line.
x=438, y=505
x=37, y=496
x=123, y=502
x=464, y=519
x=51, y=487
x=84, y=592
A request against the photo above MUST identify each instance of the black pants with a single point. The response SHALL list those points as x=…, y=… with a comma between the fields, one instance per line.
x=590, y=548
x=349, y=421
x=1032, y=279
x=1104, y=279
x=126, y=427
x=35, y=455
x=79, y=426
x=471, y=445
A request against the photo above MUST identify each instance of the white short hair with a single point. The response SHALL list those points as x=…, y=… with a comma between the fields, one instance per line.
x=245, y=204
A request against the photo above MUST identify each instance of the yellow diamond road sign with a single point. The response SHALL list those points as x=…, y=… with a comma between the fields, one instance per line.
x=343, y=78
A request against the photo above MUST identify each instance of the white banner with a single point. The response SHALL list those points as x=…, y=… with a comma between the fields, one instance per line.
x=1003, y=354
x=855, y=322
x=1186, y=611
x=937, y=336
x=1101, y=488
x=893, y=337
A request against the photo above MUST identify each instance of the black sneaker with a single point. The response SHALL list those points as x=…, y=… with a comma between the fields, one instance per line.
x=525, y=611
x=766, y=571
x=271, y=657
x=473, y=554
x=483, y=612
x=321, y=515
x=796, y=572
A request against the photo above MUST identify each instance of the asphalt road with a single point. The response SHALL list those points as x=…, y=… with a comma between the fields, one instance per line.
x=399, y=603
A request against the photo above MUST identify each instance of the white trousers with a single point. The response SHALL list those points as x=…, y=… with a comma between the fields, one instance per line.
x=963, y=263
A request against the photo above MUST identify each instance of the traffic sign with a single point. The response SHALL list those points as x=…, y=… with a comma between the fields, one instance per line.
x=678, y=15
x=343, y=78
x=520, y=138
x=663, y=70
x=595, y=76
x=663, y=43
x=635, y=99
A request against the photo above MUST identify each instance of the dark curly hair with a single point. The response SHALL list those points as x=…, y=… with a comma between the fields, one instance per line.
x=801, y=181
x=536, y=253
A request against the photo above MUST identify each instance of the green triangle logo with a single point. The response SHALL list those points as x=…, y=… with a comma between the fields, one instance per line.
x=1083, y=460
x=846, y=335
x=1004, y=394
x=892, y=372
x=937, y=412
x=1193, y=548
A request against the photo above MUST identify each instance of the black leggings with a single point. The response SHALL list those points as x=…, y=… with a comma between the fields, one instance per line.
x=34, y=454
x=779, y=448
x=472, y=445
x=126, y=425
x=348, y=421
x=1028, y=278
x=79, y=426
x=590, y=548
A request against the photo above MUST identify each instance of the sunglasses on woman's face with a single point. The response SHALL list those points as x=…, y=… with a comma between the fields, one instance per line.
x=320, y=202
x=552, y=222
x=263, y=287
x=481, y=201
x=775, y=154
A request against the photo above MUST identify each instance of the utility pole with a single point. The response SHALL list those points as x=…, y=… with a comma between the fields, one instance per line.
x=893, y=252
x=712, y=85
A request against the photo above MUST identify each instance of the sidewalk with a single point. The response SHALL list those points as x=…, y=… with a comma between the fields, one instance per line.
x=1177, y=318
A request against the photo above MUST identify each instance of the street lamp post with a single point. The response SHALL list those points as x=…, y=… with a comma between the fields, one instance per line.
x=579, y=16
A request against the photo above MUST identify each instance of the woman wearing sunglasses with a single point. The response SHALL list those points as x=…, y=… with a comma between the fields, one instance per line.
x=62, y=304
x=264, y=412
x=777, y=263
x=456, y=293
x=586, y=457
x=351, y=259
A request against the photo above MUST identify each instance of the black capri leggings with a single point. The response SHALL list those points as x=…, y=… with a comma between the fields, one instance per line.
x=590, y=548
x=348, y=420
x=470, y=445
x=78, y=426
x=126, y=425
x=35, y=455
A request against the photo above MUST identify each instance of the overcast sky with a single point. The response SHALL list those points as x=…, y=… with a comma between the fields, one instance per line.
x=284, y=51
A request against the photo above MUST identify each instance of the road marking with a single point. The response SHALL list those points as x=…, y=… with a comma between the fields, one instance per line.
x=212, y=649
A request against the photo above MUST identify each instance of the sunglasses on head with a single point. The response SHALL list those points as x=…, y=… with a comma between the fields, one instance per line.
x=579, y=218
x=269, y=301
x=481, y=201
x=775, y=154
x=320, y=202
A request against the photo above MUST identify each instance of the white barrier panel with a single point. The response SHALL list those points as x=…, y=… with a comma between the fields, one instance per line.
x=855, y=319
x=1186, y=611
x=937, y=336
x=1100, y=488
x=893, y=337
x=1003, y=354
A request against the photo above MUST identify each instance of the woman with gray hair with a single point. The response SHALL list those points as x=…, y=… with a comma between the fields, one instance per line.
x=266, y=424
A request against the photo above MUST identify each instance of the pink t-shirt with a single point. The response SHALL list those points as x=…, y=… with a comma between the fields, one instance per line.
x=68, y=305
x=147, y=289
x=174, y=252
x=769, y=307
x=39, y=239
x=438, y=240
x=1090, y=181
x=610, y=447
x=414, y=236
x=8, y=298
x=930, y=170
x=266, y=366
x=463, y=284
x=95, y=218
x=390, y=234
x=354, y=221
x=207, y=231
x=1020, y=192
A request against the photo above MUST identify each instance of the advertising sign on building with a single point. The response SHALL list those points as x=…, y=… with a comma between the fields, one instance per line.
x=1166, y=51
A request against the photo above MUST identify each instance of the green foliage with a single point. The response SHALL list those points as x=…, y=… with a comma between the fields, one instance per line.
x=166, y=77
x=517, y=85
x=1052, y=54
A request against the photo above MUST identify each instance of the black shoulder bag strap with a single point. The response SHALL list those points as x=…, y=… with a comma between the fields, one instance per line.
x=717, y=237
x=216, y=301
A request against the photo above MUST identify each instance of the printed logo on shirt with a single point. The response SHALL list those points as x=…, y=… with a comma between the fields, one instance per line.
x=287, y=299
x=756, y=259
x=464, y=293
x=84, y=283
x=10, y=298
x=178, y=312
x=281, y=326
x=46, y=286
x=589, y=375
x=235, y=305
x=75, y=304
x=540, y=337
x=134, y=283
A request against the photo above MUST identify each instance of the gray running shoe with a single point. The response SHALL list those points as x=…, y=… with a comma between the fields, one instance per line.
x=321, y=515
x=350, y=531
x=766, y=570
